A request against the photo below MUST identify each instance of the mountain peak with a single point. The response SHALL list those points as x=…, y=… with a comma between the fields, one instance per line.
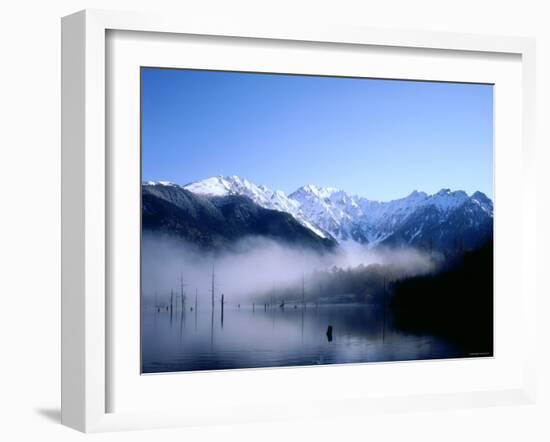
x=415, y=194
x=460, y=194
x=329, y=211
x=261, y=195
x=446, y=199
x=160, y=183
x=213, y=186
x=480, y=196
x=317, y=191
x=484, y=201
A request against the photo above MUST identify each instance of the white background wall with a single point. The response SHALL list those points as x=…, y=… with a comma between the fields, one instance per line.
x=30, y=216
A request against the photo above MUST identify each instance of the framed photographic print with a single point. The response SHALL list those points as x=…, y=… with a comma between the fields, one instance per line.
x=323, y=215
x=236, y=274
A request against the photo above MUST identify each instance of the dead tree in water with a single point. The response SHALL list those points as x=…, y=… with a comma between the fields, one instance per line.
x=303, y=292
x=196, y=306
x=213, y=279
x=182, y=293
x=384, y=312
x=222, y=304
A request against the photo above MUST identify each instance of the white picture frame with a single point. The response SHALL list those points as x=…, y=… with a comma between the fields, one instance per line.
x=87, y=203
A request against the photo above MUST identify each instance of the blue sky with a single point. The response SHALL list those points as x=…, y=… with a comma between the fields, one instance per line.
x=380, y=139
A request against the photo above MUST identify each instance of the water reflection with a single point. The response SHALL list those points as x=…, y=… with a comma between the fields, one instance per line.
x=244, y=337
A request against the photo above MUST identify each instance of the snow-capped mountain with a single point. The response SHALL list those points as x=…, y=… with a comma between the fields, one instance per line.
x=220, y=221
x=441, y=220
x=261, y=195
x=354, y=218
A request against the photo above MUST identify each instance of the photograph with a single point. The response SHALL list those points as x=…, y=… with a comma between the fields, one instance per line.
x=302, y=220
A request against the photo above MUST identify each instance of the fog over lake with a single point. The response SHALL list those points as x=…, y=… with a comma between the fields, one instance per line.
x=254, y=265
x=270, y=315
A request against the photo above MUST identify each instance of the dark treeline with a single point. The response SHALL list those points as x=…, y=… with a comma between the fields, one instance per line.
x=455, y=303
x=361, y=284
x=366, y=284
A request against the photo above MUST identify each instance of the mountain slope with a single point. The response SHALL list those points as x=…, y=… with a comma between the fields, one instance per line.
x=437, y=221
x=444, y=221
x=261, y=195
x=219, y=221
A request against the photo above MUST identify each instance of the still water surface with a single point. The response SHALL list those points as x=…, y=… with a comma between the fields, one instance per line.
x=274, y=337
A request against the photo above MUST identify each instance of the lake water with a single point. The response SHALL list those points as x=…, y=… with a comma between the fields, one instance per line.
x=273, y=337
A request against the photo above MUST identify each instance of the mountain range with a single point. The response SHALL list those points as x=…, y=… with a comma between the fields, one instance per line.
x=216, y=222
x=218, y=210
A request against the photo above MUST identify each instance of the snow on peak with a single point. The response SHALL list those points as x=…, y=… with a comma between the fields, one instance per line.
x=261, y=195
x=481, y=197
x=445, y=199
x=415, y=194
x=483, y=201
x=160, y=183
x=346, y=217
x=213, y=186
x=316, y=191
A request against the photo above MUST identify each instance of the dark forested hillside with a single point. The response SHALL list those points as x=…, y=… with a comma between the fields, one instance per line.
x=214, y=222
x=456, y=303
